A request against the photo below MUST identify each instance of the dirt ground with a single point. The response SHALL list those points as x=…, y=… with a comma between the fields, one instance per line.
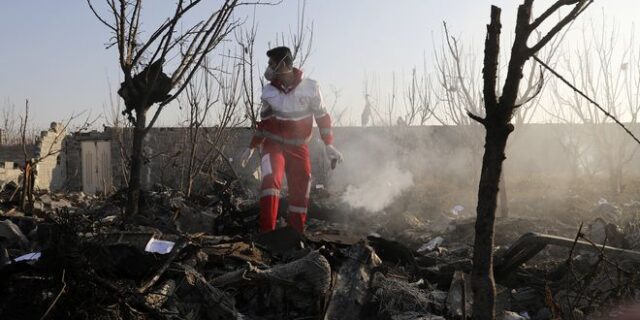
x=408, y=262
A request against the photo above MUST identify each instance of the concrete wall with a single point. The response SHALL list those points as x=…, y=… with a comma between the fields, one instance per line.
x=51, y=173
x=437, y=152
x=430, y=151
x=15, y=153
x=9, y=171
x=51, y=170
x=169, y=153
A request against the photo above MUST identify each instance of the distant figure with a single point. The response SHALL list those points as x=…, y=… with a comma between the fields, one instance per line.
x=366, y=113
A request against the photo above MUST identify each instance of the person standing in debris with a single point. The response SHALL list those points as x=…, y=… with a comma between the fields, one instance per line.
x=289, y=104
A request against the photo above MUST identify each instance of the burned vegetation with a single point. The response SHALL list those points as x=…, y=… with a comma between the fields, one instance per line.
x=79, y=257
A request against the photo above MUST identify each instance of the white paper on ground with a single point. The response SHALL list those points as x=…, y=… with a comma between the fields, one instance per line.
x=431, y=245
x=29, y=257
x=159, y=246
x=456, y=210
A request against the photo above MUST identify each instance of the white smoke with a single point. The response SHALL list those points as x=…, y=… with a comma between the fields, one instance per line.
x=380, y=189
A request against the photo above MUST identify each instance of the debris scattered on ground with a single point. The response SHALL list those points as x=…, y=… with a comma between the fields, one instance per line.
x=202, y=258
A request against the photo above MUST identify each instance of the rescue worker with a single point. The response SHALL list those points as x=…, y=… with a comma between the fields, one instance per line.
x=289, y=104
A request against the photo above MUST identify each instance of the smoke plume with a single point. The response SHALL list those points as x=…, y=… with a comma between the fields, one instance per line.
x=380, y=189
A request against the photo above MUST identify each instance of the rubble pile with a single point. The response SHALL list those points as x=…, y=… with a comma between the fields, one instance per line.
x=80, y=257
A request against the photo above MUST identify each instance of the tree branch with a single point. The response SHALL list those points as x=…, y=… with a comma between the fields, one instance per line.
x=580, y=6
x=491, y=56
x=578, y=91
x=95, y=13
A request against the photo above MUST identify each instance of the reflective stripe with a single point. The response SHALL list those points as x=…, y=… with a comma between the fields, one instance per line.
x=325, y=131
x=270, y=192
x=320, y=114
x=287, y=116
x=293, y=119
x=279, y=139
x=292, y=114
x=297, y=209
x=265, y=116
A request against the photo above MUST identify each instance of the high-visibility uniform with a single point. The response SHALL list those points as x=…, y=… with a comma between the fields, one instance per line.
x=283, y=133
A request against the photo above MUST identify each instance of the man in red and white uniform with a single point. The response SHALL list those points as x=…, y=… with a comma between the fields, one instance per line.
x=290, y=102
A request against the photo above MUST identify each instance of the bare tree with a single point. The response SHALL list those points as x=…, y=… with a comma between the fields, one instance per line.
x=458, y=78
x=215, y=164
x=300, y=39
x=458, y=87
x=336, y=115
x=246, y=40
x=386, y=109
x=26, y=198
x=608, y=67
x=419, y=99
x=200, y=97
x=499, y=111
x=142, y=62
x=415, y=105
x=119, y=126
x=8, y=124
x=459, y=90
x=213, y=93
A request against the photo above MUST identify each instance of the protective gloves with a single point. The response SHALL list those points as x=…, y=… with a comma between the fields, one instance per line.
x=334, y=155
x=246, y=156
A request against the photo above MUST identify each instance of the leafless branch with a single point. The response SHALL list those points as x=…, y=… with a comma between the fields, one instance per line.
x=579, y=7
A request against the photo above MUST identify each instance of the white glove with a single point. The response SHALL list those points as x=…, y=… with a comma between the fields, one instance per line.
x=246, y=155
x=333, y=153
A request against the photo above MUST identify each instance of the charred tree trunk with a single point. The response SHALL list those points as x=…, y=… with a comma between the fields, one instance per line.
x=137, y=160
x=504, y=206
x=482, y=275
x=497, y=123
x=483, y=284
x=140, y=92
x=26, y=198
x=190, y=170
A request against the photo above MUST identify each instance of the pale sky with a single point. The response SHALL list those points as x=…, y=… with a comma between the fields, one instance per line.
x=54, y=51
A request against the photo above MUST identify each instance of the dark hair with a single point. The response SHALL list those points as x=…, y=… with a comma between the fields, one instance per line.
x=281, y=54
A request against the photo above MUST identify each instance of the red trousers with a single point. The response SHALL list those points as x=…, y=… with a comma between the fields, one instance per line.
x=278, y=159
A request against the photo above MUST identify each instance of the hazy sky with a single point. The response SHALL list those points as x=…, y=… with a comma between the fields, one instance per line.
x=54, y=51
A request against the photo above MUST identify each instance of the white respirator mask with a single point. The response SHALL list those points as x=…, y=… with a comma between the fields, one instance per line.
x=271, y=73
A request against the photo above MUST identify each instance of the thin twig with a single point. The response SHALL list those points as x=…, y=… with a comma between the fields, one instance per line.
x=64, y=286
x=606, y=113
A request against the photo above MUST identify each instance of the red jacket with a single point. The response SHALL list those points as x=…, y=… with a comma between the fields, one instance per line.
x=287, y=113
